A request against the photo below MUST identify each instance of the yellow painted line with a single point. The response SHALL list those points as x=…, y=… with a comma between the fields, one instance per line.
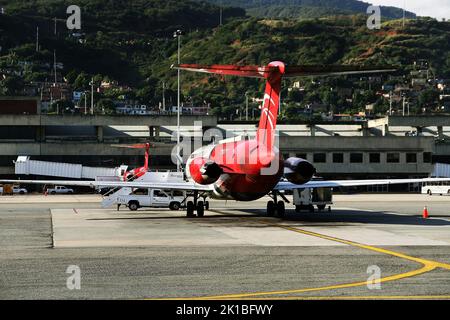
x=427, y=266
x=331, y=287
x=437, y=297
x=368, y=247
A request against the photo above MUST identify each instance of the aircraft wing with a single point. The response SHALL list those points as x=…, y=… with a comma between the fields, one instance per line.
x=184, y=186
x=284, y=185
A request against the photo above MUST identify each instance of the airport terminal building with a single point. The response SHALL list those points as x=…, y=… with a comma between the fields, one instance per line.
x=391, y=147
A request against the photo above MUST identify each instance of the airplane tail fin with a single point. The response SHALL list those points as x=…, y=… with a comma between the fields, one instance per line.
x=273, y=73
x=145, y=146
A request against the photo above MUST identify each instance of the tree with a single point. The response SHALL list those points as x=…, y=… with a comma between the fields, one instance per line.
x=81, y=82
x=105, y=106
x=11, y=86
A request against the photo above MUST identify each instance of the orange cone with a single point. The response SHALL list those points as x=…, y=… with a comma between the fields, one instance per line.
x=425, y=214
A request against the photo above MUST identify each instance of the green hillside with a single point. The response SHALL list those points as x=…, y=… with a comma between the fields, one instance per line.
x=308, y=8
x=135, y=46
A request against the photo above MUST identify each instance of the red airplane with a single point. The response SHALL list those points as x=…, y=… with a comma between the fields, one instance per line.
x=137, y=172
x=247, y=170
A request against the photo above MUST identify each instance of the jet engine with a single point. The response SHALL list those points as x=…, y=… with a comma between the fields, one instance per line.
x=298, y=171
x=204, y=171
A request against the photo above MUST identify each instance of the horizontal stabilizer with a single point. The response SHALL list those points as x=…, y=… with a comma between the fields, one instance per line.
x=330, y=70
x=289, y=71
x=231, y=70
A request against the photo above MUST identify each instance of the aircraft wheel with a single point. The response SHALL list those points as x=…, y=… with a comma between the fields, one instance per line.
x=190, y=209
x=200, y=209
x=281, y=210
x=206, y=205
x=270, y=208
x=429, y=192
x=321, y=207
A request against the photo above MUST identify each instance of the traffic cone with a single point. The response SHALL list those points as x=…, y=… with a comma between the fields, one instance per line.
x=425, y=214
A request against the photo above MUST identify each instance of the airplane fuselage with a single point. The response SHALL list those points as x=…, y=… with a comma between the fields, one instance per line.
x=249, y=171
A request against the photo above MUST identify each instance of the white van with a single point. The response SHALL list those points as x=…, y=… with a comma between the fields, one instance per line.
x=154, y=198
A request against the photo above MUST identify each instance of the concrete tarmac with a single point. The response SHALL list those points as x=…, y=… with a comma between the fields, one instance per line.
x=234, y=252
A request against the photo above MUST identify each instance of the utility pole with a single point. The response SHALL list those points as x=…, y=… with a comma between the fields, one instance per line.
x=37, y=39
x=85, y=103
x=54, y=65
x=246, y=106
x=404, y=103
x=92, y=96
x=404, y=13
x=220, y=13
x=390, y=103
x=177, y=35
x=164, y=97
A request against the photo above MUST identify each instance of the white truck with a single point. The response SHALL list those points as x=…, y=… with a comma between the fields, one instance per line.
x=59, y=190
x=152, y=198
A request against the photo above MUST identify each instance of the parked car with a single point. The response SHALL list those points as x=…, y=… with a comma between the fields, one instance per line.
x=59, y=190
x=16, y=190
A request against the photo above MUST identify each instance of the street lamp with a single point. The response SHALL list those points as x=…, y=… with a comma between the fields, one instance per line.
x=177, y=34
x=92, y=95
x=246, y=106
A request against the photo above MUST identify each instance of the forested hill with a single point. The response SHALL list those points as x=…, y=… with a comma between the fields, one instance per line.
x=132, y=43
x=123, y=38
x=308, y=8
x=153, y=17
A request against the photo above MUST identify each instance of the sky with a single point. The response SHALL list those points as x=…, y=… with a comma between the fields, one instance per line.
x=432, y=8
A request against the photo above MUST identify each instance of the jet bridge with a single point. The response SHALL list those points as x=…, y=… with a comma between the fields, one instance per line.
x=25, y=166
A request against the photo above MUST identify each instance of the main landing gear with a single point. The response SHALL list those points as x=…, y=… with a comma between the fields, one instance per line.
x=196, y=206
x=276, y=207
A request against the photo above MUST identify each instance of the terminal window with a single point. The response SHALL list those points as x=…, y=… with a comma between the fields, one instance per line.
x=374, y=158
x=320, y=157
x=393, y=157
x=356, y=157
x=338, y=157
x=411, y=157
x=427, y=157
